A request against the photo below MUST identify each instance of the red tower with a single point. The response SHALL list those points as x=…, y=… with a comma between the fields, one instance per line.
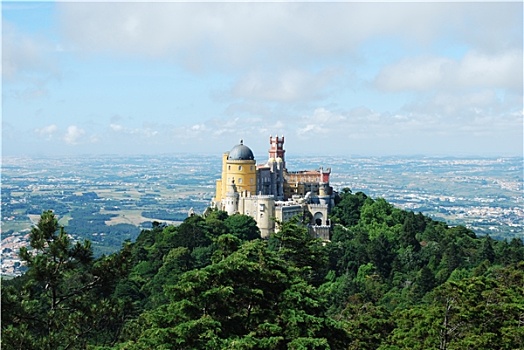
x=276, y=148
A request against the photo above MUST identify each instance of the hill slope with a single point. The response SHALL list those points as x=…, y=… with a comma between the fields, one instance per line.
x=389, y=279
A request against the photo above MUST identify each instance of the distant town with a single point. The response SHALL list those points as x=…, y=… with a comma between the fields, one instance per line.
x=109, y=199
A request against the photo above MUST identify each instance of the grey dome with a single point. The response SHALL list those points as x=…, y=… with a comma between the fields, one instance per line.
x=241, y=152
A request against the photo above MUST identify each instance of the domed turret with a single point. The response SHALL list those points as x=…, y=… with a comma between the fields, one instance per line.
x=241, y=152
x=240, y=166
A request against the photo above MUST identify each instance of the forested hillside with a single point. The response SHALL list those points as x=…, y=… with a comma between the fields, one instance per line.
x=389, y=279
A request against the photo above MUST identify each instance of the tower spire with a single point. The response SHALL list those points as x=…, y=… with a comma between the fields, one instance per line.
x=276, y=148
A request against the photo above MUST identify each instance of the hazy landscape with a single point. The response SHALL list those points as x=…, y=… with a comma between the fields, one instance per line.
x=115, y=117
x=109, y=199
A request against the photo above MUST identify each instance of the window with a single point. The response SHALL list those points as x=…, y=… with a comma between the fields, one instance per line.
x=239, y=180
x=240, y=167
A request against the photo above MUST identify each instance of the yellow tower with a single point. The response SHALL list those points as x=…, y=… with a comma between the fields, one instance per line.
x=238, y=166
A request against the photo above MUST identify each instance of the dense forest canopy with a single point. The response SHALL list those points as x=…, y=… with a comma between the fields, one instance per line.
x=388, y=279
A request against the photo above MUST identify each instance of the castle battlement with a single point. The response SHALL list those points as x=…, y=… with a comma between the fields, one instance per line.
x=313, y=205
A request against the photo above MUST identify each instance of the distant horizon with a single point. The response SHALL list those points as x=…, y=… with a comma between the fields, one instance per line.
x=288, y=155
x=449, y=186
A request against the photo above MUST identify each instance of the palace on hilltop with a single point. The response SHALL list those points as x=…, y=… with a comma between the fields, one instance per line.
x=269, y=193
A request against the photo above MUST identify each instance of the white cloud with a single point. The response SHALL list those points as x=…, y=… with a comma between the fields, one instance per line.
x=288, y=86
x=222, y=133
x=28, y=64
x=27, y=58
x=47, y=132
x=73, y=135
x=362, y=130
x=116, y=127
x=243, y=33
x=503, y=70
x=474, y=70
x=94, y=139
x=198, y=127
x=420, y=73
x=453, y=109
x=144, y=131
x=20, y=53
x=322, y=121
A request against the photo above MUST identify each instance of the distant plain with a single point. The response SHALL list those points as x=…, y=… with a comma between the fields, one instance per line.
x=484, y=194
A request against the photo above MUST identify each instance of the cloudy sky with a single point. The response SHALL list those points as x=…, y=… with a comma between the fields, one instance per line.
x=337, y=78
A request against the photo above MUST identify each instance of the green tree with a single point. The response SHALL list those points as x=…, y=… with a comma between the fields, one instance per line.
x=381, y=253
x=347, y=210
x=225, y=246
x=215, y=222
x=175, y=263
x=424, y=282
x=486, y=251
x=378, y=217
x=409, y=232
x=192, y=233
x=452, y=259
x=508, y=253
x=242, y=226
x=472, y=313
x=66, y=299
x=348, y=249
x=251, y=299
x=295, y=245
x=367, y=324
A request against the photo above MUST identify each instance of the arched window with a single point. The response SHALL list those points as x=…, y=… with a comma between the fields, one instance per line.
x=318, y=218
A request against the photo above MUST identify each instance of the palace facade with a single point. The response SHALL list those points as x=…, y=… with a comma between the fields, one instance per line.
x=269, y=193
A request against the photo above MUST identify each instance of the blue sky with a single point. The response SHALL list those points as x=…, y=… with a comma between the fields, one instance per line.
x=338, y=78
